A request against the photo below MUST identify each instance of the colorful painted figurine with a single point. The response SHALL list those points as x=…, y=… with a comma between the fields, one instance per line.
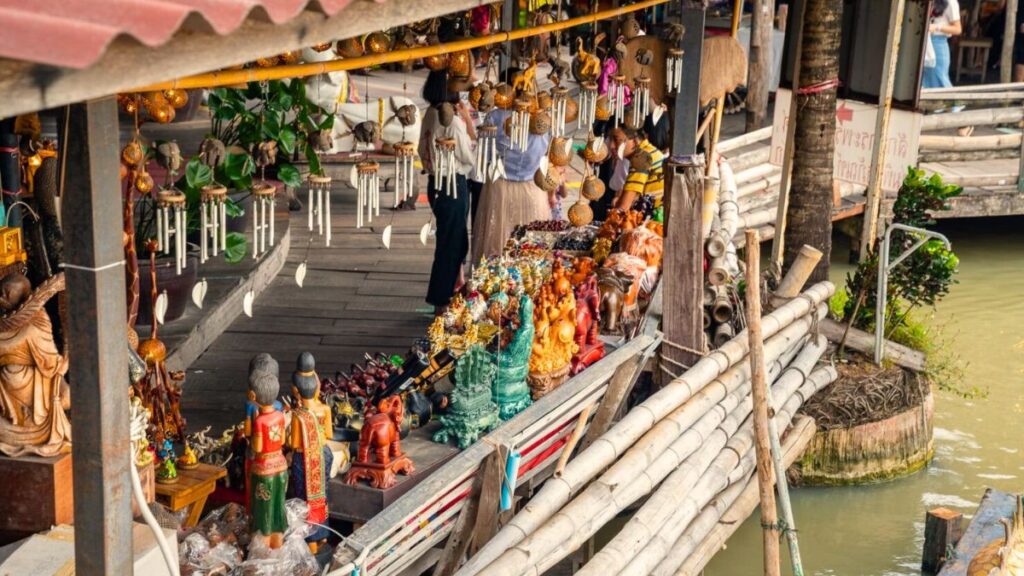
x=588, y=321
x=261, y=363
x=311, y=457
x=33, y=394
x=554, y=320
x=510, y=390
x=166, y=469
x=380, y=455
x=268, y=476
x=471, y=413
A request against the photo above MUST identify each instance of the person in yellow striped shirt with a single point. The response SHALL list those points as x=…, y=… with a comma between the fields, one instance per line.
x=646, y=171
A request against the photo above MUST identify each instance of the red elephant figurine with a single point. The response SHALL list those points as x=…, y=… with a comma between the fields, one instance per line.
x=380, y=437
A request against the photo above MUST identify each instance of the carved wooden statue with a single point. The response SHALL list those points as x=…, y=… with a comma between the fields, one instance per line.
x=612, y=287
x=588, y=321
x=380, y=455
x=311, y=457
x=268, y=476
x=33, y=394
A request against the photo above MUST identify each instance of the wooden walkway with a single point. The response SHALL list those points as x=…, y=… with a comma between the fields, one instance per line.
x=358, y=297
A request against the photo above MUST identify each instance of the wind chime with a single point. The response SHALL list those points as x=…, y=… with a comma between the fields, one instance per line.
x=262, y=217
x=367, y=191
x=588, y=103
x=618, y=91
x=444, y=166
x=487, y=159
x=213, y=218
x=641, y=100
x=405, y=155
x=319, y=201
x=520, y=128
x=674, y=70
x=170, y=205
x=559, y=107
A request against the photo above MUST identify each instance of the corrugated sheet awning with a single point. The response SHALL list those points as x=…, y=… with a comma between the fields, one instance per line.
x=75, y=33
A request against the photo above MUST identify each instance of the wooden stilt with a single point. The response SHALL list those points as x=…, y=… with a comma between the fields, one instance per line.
x=684, y=262
x=942, y=531
x=485, y=524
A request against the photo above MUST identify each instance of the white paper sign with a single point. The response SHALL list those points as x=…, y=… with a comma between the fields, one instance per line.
x=855, y=134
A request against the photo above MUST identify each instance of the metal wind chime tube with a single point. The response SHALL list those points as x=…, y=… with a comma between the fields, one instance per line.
x=588, y=104
x=619, y=95
x=171, y=204
x=674, y=70
x=405, y=154
x=486, y=151
x=367, y=192
x=521, y=125
x=559, y=107
x=444, y=166
x=641, y=101
x=213, y=216
x=320, y=205
x=262, y=217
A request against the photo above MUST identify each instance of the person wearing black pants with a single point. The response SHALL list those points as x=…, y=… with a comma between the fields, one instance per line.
x=452, y=240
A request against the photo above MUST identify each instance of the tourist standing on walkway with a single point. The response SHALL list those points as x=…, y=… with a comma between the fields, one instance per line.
x=450, y=210
x=513, y=200
x=945, y=22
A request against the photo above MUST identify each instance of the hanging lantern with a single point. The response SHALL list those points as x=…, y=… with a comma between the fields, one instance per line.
x=319, y=202
x=520, y=126
x=674, y=70
x=405, y=155
x=588, y=103
x=641, y=100
x=487, y=160
x=618, y=92
x=444, y=166
x=213, y=221
x=368, y=191
x=262, y=217
x=171, y=223
x=559, y=110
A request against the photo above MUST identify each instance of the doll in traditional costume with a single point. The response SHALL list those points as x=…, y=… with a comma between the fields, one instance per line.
x=261, y=363
x=311, y=457
x=268, y=475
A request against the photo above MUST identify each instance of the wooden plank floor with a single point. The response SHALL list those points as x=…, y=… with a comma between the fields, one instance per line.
x=358, y=297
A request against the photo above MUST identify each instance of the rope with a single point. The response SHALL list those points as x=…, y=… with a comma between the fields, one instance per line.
x=780, y=525
x=90, y=269
x=819, y=87
x=683, y=348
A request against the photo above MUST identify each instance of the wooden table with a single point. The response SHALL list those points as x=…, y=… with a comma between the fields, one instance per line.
x=190, y=491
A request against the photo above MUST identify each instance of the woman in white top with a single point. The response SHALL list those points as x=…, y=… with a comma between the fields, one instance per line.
x=450, y=210
x=945, y=22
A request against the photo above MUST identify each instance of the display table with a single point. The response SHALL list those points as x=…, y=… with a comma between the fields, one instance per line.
x=190, y=491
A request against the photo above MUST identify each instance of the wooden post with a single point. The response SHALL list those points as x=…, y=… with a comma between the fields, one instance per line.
x=462, y=532
x=485, y=525
x=686, y=113
x=1020, y=168
x=759, y=74
x=759, y=390
x=619, y=387
x=942, y=531
x=1009, y=34
x=97, y=341
x=683, y=318
x=875, y=194
x=778, y=242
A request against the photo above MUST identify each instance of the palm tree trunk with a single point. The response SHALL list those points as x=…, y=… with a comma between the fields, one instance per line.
x=809, y=217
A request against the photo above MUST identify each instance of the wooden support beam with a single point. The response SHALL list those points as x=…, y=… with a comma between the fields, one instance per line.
x=97, y=341
x=619, y=387
x=485, y=525
x=759, y=74
x=1009, y=35
x=683, y=319
x=942, y=531
x=686, y=110
x=881, y=141
x=462, y=533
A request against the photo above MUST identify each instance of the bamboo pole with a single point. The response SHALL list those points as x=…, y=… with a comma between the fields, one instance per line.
x=744, y=140
x=524, y=532
x=798, y=273
x=723, y=333
x=728, y=212
x=708, y=533
x=984, y=117
x=996, y=87
x=769, y=517
x=232, y=77
x=570, y=445
x=964, y=143
x=710, y=208
x=749, y=159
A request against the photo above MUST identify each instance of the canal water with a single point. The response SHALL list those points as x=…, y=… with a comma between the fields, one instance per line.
x=878, y=530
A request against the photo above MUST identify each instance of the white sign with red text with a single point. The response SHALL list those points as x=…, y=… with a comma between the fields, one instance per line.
x=855, y=134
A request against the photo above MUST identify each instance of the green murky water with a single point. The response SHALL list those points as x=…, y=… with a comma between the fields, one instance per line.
x=878, y=530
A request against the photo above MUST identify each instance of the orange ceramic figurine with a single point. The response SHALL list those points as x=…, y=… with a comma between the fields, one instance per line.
x=380, y=436
x=554, y=320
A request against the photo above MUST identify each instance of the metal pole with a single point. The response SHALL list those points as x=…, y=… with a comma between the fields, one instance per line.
x=96, y=342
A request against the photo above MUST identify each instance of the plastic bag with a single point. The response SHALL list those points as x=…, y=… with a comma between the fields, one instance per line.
x=929, y=53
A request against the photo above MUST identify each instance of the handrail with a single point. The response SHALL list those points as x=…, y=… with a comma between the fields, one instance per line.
x=884, y=267
x=233, y=77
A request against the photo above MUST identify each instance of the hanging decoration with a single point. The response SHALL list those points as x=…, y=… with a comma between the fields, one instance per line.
x=588, y=103
x=559, y=109
x=262, y=217
x=444, y=166
x=367, y=192
x=171, y=223
x=213, y=218
x=319, y=200
x=674, y=70
x=641, y=100
x=618, y=92
x=519, y=129
x=487, y=159
x=405, y=179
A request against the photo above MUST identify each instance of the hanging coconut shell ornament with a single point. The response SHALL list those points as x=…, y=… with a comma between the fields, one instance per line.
x=349, y=48
x=143, y=182
x=630, y=28
x=504, y=96
x=592, y=188
x=546, y=181
x=580, y=213
x=322, y=47
x=572, y=110
x=266, y=62
x=540, y=122
x=132, y=154
x=544, y=100
x=436, y=62
x=603, y=108
x=596, y=150
x=558, y=152
x=377, y=43
x=482, y=97
x=289, y=58
x=176, y=98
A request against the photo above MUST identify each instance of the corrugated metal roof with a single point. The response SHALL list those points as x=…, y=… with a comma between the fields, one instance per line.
x=75, y=33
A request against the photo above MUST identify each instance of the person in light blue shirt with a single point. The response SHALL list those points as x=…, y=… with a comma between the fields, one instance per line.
x=513, y=200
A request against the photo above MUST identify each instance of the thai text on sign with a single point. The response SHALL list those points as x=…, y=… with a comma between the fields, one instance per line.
x=855, y=136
